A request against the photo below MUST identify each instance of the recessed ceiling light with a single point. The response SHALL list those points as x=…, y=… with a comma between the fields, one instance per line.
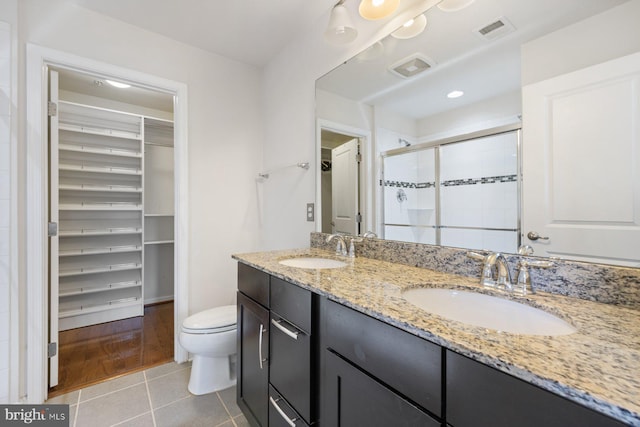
x=119, y=85
x=455, y=94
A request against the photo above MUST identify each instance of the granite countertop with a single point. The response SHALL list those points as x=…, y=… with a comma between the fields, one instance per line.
x=598, y=366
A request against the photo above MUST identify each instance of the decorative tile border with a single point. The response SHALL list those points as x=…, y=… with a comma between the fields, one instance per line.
x=404, y=184
x=594, y=282
x=483, y=180
x=453, y=182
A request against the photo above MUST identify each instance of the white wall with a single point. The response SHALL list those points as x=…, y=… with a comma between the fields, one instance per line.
x=501, y=110
x=225, y=133
x=289, y=82
x=609, y=35
x=5, y=207
x=9, y=370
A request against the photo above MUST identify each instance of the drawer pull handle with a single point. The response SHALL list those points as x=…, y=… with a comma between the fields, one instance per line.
x=262, y=331
x=278, y=324
x=274, y=403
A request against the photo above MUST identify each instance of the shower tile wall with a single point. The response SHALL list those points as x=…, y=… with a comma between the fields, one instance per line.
x=5, y=195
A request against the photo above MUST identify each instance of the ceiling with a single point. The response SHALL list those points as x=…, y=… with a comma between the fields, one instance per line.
x=460, y=58
x=250, y=31
x=93, y=85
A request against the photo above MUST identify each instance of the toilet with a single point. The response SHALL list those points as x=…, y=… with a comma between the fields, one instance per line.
x=210, y=336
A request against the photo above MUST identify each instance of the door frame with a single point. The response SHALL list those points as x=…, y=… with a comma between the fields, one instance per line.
x=36, y=202
x=367, y=172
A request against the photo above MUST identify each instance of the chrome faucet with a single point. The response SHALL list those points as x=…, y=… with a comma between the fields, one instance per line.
x=496, y=265
x=524, y=284
x=370, y=234
x=341, y=247
x=503, y=280
x=352, y=246
x=488, y=267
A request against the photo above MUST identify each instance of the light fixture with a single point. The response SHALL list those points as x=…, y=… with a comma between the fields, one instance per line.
x=453, y=5
x=119, y=85
x=377, y=9
x=411, y=28
x=455, y=94
x=341, y=29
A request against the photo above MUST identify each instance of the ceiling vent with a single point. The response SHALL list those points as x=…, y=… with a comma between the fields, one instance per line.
x=500, y=27
x=411, y=66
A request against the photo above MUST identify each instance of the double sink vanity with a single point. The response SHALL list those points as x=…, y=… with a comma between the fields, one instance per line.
x=331, y=340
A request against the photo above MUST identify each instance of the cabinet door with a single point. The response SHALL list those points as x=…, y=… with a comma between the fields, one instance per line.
x=478, y=395
x=253, y=369
x=352, y=398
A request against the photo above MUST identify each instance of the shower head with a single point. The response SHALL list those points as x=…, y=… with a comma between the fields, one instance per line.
x=404, y=142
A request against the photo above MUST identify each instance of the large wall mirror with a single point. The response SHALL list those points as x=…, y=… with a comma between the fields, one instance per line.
x=487, y=129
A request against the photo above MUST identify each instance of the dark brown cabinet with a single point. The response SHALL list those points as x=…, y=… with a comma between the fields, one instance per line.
x=276, y=350
x=307, y=361
x=352, y=397
x=292, y=360
x=253, y=345
x=376, y=367
x=478, y=395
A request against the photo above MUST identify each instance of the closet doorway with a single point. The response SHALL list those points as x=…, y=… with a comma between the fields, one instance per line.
x=111, y=228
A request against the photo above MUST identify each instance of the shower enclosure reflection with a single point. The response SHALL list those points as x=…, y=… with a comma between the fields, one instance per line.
x=455, y=193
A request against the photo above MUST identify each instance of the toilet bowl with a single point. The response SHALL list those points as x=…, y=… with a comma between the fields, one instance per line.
x=210, y=336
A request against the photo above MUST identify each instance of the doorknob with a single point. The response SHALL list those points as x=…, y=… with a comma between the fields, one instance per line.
x=532, y=235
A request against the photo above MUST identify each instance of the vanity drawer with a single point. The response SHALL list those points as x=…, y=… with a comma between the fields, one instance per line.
x=290, y=364
x=291, y=302
x=408, y=364
x=281, y=414
x=253, y=283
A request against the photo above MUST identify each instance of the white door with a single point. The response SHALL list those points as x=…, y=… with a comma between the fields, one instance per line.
x=53, y=239
x=581, y=164
x=344, y=186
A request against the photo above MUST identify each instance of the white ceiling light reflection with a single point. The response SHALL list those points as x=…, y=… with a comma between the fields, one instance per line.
x=455, y=94
x=119, y=85
x=411, y=28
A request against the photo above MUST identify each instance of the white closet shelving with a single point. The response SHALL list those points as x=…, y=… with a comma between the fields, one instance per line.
x=115, y=214
x=158, y=209
x=100, y=206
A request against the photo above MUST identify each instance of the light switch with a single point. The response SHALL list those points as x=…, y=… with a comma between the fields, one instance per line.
x=311, y=212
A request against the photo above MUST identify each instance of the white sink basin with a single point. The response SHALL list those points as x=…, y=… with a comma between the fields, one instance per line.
x=487, y=311
x=313, y=263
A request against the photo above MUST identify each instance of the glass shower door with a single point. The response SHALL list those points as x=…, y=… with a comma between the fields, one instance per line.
x=479, y=202
x=410, y=197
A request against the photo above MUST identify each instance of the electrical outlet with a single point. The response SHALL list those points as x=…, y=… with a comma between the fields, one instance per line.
x=311, y=216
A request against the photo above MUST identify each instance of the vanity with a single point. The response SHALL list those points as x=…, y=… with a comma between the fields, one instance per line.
x=342, y=346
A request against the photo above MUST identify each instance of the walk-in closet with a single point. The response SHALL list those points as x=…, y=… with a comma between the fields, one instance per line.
x=111, y=210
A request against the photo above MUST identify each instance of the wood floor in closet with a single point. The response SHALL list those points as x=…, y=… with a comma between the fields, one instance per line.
x=96, y=353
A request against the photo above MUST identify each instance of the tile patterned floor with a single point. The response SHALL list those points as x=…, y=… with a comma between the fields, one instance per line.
x=157, y=397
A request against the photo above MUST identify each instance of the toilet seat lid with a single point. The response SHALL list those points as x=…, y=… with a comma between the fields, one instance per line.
x=223, y=317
